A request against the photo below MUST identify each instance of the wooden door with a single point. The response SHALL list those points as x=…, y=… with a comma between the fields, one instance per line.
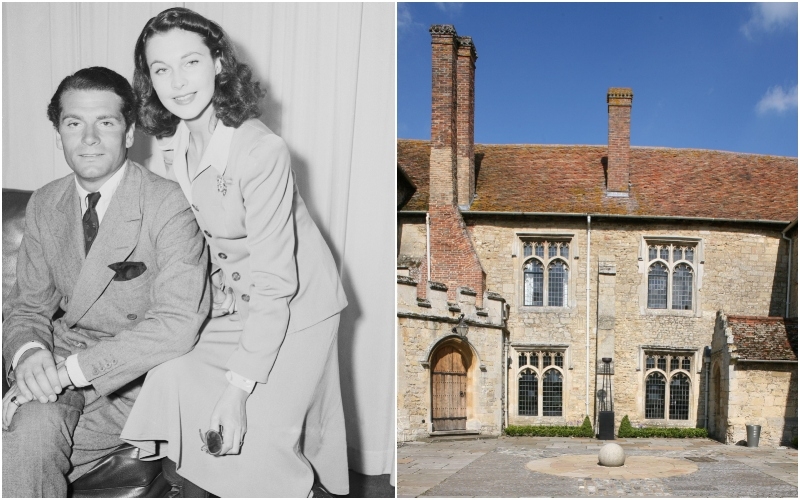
x=449, y=390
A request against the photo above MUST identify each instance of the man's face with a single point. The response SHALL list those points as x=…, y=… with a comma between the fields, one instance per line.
x=92, y=134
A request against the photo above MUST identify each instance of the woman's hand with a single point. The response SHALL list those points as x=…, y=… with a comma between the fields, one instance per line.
x=223, y=298
x=231, y=414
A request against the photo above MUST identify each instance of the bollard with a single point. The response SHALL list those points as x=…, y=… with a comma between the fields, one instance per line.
x=753, y=434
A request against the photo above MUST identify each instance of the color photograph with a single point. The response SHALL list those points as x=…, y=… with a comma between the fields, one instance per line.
x=597, y=250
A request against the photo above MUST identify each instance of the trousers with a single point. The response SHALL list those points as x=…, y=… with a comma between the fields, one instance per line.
x=49, y=445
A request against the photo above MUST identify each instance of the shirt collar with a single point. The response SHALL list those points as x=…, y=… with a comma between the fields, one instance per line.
x=217, y=151
x=106, y=191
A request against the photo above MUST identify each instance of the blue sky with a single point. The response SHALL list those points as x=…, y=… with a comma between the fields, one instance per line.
x=710, y=76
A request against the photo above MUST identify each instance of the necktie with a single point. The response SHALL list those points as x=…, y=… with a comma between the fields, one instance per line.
x=90, y=221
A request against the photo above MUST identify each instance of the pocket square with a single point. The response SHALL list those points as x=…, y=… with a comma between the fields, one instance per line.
x=126, y=271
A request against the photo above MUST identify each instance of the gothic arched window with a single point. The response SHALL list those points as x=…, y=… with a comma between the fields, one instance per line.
x=549, y=288
x=670, y=276
x=552, y=393
x=655, y=391
x=528, y=393
x=679, y=397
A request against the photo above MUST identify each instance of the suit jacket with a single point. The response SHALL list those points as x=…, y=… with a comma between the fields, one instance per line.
x=260, y=233
x=119, y=329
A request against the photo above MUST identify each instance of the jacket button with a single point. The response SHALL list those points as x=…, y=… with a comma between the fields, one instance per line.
x=246, y=298
x=236, y=276
x=131, y=317
x=222, y=256
x=195, y=207
x=206, y=233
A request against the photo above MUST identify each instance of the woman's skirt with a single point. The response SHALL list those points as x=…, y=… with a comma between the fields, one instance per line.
x=295, y=422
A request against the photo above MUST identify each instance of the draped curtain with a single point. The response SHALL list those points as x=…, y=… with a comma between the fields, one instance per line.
x=328, y=71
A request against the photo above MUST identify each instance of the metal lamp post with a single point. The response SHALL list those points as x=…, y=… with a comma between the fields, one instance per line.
x=606, y=414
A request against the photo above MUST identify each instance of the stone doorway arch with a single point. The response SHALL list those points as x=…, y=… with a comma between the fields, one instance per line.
x=450, y=364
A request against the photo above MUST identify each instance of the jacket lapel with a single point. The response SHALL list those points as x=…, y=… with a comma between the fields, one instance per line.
x=116, y=240
x=67, y=228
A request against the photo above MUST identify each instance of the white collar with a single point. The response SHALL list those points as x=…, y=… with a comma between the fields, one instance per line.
x=106, y=191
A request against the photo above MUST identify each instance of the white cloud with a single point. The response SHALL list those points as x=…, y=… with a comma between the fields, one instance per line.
x=770, y=17
x=450, y=7
x=405, y=20
x=778, y=100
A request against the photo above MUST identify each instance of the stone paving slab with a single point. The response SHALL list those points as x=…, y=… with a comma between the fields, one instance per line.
x=497, y=468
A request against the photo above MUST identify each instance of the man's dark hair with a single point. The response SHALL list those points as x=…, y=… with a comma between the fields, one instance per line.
x=236, y=95
x=95, y=78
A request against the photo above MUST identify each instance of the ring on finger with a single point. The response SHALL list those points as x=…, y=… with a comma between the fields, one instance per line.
x=14, y=400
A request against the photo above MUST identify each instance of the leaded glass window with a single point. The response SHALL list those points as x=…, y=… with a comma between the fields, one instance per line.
x=528, y=393
x=654, y=396
x=557, y=284
x=667, y=384
x=670, y=276
x=679, y=397
x=657, y=286
x=547, y=397
x=552, y=393
x=550, y=288
x=527, y=249
x=682, y=287
x=534, y=283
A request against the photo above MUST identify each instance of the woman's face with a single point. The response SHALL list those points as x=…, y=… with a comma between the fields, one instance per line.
x=182, y=71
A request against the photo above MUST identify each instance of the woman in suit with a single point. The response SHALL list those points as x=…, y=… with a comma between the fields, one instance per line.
x=264, y=374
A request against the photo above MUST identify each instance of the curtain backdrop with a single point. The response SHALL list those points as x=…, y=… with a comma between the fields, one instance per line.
x=328, y=70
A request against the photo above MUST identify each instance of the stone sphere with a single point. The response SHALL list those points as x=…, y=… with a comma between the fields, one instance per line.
x=612, y=455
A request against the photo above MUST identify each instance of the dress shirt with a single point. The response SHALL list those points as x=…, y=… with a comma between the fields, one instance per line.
x=106, y=191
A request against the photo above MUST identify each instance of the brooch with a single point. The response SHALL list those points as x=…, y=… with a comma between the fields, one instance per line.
x=222, y=185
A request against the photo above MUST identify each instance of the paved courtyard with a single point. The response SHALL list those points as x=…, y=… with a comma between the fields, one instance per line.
x=512, y=467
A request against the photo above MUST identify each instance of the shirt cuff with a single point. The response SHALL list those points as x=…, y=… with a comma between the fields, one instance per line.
x=22, y=350
x=242, y=383
x=74, y=371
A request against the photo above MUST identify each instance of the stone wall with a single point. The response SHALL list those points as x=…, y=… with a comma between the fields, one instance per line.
x=739, y=270
x=766, y=395
x=423, y=326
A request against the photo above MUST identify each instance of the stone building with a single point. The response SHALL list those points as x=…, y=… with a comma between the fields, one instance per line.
x=558, y=256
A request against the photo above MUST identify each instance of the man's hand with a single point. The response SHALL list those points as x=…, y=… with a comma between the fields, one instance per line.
x=231, y=414
x=10, y=408
x=37, y=376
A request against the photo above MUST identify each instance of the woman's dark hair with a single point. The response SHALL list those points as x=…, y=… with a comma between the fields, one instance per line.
x=95, y=78
x=236, y=95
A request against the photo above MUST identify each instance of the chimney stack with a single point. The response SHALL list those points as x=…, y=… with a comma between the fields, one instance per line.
x=453, y=259
x=619, y=140
x=465, y=121
x=443, y=114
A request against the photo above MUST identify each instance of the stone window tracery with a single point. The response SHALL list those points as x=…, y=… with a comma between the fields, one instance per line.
x=667, y=388
x=671, y=275
x=550, y=288
x=540, y=383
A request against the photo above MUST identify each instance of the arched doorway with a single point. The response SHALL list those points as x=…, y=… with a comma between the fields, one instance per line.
x=449, y=388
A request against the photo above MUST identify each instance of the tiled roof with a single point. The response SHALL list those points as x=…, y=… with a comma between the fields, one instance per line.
x=664, y=181
x=764, y=338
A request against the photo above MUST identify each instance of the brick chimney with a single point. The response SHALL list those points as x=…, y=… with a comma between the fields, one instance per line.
x=465, y=121
x=619, y=140
x=454, y=260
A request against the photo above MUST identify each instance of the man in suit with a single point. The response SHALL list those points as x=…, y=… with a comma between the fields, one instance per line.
x=119, y=251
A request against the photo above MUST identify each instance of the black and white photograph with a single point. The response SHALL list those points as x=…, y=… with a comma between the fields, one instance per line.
x=198, y=248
